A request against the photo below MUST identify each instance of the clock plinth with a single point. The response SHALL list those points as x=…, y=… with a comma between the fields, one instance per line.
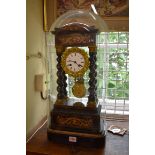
x=83, y=123
x=76, y=138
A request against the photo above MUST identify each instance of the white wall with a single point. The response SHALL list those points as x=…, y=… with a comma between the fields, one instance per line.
x=35, y=42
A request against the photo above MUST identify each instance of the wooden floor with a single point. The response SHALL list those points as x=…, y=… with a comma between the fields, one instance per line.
x=115, y=144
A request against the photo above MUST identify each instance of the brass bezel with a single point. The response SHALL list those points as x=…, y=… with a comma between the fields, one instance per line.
x=64, y=56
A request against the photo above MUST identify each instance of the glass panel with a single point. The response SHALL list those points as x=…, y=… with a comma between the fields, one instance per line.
x=113, y=37
x=123, y=37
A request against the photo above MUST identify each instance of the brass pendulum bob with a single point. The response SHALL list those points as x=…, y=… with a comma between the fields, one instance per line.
x=79, y=89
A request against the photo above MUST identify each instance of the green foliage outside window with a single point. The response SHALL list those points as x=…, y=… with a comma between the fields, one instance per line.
x=118, y=67
x=117, y=86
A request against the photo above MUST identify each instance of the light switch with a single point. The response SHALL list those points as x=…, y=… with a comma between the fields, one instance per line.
x=39, y=82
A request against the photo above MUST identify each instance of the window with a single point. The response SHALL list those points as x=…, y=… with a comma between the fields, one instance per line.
x=112, y=72
x=116, y=71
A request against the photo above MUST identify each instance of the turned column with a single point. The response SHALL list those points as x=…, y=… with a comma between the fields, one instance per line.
x=61, y=81
x=92, y=98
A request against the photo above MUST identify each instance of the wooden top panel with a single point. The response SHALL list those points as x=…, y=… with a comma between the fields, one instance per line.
x=75, y=28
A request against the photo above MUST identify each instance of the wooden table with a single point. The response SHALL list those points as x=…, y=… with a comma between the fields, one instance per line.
x=115, y=144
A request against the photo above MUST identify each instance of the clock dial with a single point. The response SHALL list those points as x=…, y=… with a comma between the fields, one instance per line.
x=75, y=61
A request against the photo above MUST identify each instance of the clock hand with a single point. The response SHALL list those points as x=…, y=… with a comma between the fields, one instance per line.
x=75, y=63
x=72, y=61
x=79, y=65
x=69, y=65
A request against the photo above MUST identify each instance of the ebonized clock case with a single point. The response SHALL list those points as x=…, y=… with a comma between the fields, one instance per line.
x=76, y=124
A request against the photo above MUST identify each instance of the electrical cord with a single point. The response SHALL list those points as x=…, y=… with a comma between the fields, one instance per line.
x=42, y=96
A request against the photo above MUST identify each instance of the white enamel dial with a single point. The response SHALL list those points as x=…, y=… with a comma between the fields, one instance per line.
x=75, y=62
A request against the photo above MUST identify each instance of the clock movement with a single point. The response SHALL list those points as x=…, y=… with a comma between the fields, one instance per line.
x=73, y=120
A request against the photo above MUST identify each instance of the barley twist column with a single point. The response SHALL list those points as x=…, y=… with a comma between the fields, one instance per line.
x=61, y=81
x=92, y=98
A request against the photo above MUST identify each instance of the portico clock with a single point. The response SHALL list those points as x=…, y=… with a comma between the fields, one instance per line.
x=76, y=109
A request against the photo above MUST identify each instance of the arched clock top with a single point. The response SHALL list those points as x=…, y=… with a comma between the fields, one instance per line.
x=75, y=35
x=75, y=27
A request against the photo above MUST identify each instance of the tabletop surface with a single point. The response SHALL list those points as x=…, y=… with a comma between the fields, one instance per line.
x=115, y=144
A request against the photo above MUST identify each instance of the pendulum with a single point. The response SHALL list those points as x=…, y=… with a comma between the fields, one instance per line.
x=79, y=89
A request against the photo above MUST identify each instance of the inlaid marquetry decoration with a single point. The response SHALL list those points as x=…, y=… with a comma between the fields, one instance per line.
x=75, y=122
x=77, y=39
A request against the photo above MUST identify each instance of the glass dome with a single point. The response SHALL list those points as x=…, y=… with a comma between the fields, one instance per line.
x=75, y=101
x=82, y=17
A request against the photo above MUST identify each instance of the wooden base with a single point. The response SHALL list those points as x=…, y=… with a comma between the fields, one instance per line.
x=70, y=118
x=76, y=138
x=77, y=126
